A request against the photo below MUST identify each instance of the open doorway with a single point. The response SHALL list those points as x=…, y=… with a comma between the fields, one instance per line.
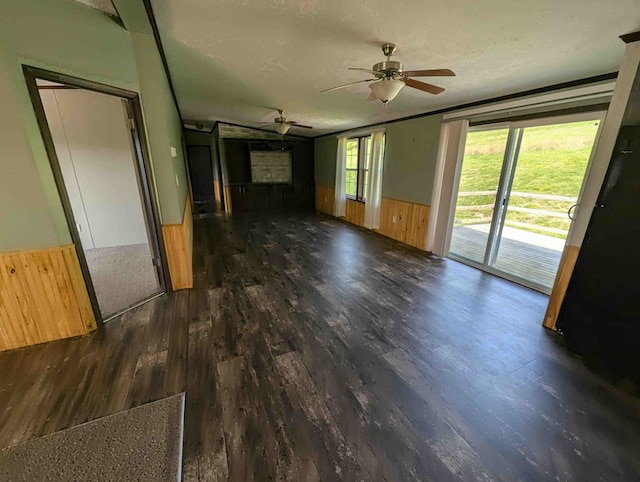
x=201, y=176
x=93, y=139
x=519, y=186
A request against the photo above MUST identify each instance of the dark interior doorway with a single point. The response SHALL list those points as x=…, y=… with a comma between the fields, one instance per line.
x=201, y=171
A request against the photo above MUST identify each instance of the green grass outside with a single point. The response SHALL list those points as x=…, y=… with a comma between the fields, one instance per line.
x=553, y=160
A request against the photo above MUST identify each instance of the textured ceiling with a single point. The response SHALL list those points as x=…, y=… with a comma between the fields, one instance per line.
x=233, y=59
x=103, y=5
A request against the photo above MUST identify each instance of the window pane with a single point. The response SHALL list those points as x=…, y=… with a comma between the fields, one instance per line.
x=366, y=183
x=352, y=154
x=351, y=182
x=367, y=153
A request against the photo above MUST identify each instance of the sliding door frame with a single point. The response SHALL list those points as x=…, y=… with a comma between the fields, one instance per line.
x=507, y=173
x=142, y=169
x=509, y=163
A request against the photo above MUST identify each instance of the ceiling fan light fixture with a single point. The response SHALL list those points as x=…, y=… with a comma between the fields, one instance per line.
x=387, y=89
x=282, y=129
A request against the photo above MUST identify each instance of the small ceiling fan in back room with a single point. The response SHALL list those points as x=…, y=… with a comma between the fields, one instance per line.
x=389, y=78
x=282, y=124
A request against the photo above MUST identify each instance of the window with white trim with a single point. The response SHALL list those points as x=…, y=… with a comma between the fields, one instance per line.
x=357, y=167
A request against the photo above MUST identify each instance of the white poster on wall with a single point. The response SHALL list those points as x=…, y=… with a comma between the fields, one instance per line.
x=270, y=167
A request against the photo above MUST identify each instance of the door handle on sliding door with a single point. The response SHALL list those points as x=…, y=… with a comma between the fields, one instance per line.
x=571, y=212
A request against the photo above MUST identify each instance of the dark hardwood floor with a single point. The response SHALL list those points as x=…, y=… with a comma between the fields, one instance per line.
x=311, y=349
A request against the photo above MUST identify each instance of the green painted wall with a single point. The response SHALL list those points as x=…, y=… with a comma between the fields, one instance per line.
x=133, y=15
x=214, y=157
x=67, y=37
x=221, y=154
x=26, y=219
x=46, y=34
x=325, y=150
x=164, y=129
x=410, y=159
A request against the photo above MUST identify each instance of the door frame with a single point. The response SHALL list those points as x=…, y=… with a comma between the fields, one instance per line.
x=143, y=172
x=510, y=163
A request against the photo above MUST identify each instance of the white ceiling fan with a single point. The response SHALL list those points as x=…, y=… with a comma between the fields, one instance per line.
x=282, y=124
x=389, y=78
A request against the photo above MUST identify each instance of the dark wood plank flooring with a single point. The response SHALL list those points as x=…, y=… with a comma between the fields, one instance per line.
x=313, y=350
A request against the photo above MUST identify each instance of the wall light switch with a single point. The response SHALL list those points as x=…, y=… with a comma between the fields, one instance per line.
x=174, y=153
x=393, y=220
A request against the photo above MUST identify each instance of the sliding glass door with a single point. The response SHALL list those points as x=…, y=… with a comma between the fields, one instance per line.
x=518, y=188
x=478, y=189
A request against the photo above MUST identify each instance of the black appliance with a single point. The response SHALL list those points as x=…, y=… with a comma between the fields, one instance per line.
x=600, y=315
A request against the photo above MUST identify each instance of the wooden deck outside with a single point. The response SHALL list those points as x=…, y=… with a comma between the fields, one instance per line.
x=536, y=260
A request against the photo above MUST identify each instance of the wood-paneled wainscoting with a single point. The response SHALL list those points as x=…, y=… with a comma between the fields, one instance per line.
x=409, y=227
x=226, y=191
x=43, y=297
x=217, y=191
x=178, y=242
x=560, y=285
x=325, y=199
x=354, y=212
x=411, y=221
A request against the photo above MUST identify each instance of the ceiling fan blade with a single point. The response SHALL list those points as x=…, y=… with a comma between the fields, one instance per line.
x=347, y=85
x=366, y=70
x=416, y=84
x=267, y=125
x=429, y=73
x=372, y=97
x=295, y=124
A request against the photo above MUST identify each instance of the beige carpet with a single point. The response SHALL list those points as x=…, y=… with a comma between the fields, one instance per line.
x=144, y=443
x=122, y=276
